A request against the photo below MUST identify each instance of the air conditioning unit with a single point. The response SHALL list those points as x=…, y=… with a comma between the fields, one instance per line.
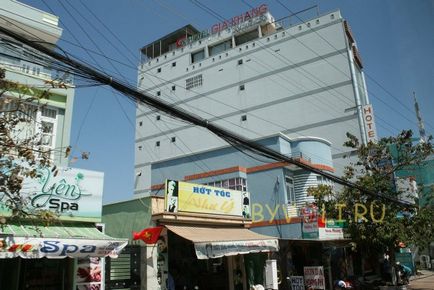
x=271, y=274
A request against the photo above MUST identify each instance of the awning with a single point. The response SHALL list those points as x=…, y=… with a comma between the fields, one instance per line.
x=37, y=241
x=216, y=242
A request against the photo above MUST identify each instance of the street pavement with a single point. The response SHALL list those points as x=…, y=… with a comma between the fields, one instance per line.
x=423, y=282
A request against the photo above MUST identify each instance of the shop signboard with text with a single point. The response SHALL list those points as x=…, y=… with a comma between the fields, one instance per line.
x=331, y=229
x=197, y=198
x=314, y=277
x=74, y=194
x=309, y=222
x=297, y=283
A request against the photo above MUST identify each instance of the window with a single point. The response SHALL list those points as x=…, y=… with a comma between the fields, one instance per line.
x=159, y=70
x=173, y=64
x=158, y=118
x=140, y=123
x=140, y=148
x=158, y=93
x=173, y=139
x=240, y=61
x=246, y=37
x=193, y=82
x=237, y=183
x=47, y=133
x=242, y=88
x=157, y=144
x=49, y=113
x=219, y=48
x=321, y=180
x=290, y=191
x=173, y=88
x=197, y=56
x=244, y=118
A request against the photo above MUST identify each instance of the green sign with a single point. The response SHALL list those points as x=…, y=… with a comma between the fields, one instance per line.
x=74, y=194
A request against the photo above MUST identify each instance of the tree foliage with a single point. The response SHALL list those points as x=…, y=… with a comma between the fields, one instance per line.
x=373, y=222
x=22, y=152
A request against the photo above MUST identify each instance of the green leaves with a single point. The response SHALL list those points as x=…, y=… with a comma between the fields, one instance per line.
x=376, y=169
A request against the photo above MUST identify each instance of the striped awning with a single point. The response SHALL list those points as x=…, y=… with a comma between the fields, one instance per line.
x=57, y=241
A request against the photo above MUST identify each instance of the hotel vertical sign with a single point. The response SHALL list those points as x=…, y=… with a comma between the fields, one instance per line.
x=369, y=122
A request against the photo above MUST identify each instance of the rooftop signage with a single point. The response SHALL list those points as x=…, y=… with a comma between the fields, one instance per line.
x=236, y=24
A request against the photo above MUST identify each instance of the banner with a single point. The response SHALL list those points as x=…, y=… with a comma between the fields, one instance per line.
x=231, y=248
x=89, y=273
x=314, y=277
x=188, y=197
x=34, y=248
x=75, y=194
x=310, y=222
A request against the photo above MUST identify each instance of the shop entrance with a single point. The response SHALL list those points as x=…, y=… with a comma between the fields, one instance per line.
x=36, y=274
x=188, y=271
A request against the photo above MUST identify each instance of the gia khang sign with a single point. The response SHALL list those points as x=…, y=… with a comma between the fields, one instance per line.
x=75, y=194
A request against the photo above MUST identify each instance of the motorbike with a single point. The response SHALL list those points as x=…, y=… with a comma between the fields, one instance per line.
x=402, y=274
x=341, y=284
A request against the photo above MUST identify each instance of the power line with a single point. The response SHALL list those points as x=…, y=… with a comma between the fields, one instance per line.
x=231, y=137
x=371, y=78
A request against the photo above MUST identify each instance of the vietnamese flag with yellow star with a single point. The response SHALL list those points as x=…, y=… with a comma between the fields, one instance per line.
x=149, y=235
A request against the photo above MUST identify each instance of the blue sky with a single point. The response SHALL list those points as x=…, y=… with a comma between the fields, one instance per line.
x=395, y=39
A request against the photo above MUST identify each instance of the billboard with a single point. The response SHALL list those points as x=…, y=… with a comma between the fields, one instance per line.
x=74, y=194
x=197, y=198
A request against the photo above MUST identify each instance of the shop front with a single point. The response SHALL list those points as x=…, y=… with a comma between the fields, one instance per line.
x=205, y=243
x=321, y=257
x=68, y=252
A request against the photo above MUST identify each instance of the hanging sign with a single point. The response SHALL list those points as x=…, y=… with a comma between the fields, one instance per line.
x=189, y=197
x=368, y=118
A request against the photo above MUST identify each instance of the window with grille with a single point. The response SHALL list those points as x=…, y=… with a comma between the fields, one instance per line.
x=49, y=113
x=290, y=190
x=237, y=183
x=193, y=82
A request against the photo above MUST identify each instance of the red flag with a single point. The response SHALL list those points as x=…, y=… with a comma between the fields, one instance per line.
x=149, y=235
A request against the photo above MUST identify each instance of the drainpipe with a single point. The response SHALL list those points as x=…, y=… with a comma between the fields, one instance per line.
x=357, y=95
x=365, y=88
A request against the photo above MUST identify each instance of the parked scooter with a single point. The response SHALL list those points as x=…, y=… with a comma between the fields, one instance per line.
x=402, y=273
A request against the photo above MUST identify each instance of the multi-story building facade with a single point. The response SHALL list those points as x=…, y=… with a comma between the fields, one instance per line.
x=27, y=67
x=297, y=89
x=254, y=77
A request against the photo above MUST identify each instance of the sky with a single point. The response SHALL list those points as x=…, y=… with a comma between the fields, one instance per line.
x=395, y=39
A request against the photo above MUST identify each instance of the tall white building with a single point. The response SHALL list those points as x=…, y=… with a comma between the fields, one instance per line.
x=255, y=77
